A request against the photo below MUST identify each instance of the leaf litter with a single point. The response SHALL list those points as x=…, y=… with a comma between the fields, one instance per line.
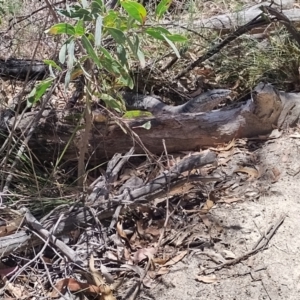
x=150, y=238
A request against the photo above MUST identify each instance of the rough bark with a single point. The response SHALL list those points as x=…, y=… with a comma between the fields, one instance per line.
x=181, y=132
x=230, y=21
x=19, y=68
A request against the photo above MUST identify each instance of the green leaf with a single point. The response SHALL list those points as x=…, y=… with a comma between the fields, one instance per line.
x=177, y=38
x=89, y=49
x=38, y=91
x=106, y=53
x=162, y=7
x=112, y=103
x=76, y=12
x=117, y=34
x=122, y=55
x=110, y=19
x=155, y=33
x=172, y=46
x=100, y=2
x=159, y=33
x=126, y=79
x=139, y=53
x=61, y=28
x=97, y=7
x=52, y=63
x=115, y=67
x=135, y=48
x=135, y=10
x=134, y=114
x=79, y=28
x=98, y=31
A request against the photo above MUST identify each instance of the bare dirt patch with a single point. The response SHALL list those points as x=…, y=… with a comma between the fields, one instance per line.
x=272, y=273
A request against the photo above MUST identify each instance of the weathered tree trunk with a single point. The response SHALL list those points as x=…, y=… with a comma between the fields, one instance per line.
x=231, y=21
x=181, y=132
x=19, y=68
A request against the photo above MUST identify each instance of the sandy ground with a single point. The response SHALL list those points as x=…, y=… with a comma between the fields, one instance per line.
x=272, y=273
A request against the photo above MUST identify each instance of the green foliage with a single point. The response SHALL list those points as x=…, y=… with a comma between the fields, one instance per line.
x=135, y=10
x=37, y=93
x=94, y=25
x=162, y=7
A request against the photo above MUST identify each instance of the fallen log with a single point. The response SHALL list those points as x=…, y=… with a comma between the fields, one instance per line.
x=18, y=69
x=230, y=21
x=181, y=132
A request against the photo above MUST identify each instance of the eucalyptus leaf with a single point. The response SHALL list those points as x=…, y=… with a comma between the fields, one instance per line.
x=122, y=55
x=79, y=28
x=61, y=28
x=162, y=7
x=172, y=46
x=117, y=34
x=112, y=102
x=89, y=49
x=38, y=91
x=135, y=10
x=52, y=63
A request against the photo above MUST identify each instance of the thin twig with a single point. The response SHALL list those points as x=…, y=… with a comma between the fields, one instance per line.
x=259, y=245
x=37, y=256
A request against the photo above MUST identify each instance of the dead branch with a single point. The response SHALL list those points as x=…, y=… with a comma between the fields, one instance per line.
x=82, y=216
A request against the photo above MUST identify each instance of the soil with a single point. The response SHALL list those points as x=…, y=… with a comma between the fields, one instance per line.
x=273, y=272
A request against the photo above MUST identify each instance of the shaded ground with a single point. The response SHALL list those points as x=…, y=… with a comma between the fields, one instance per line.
x=270, y=274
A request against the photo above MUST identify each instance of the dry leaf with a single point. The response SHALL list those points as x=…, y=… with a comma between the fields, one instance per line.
x=121, y=232
x=11, y=226
x=144, y=253
x=98, y=280
x=295, y=135
x=253, y=173
x=153, y=231
x=74, y=286
x=275, y=134
x=148, y=282
x=176, y=259
x=228, y=254
x=226, y=148
x=163, y=271
x=276, y=173
x=207, y=279
x=160, y=261
x=207, y=206
x=15, y=290
x=96, y=275
x=205, y=220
